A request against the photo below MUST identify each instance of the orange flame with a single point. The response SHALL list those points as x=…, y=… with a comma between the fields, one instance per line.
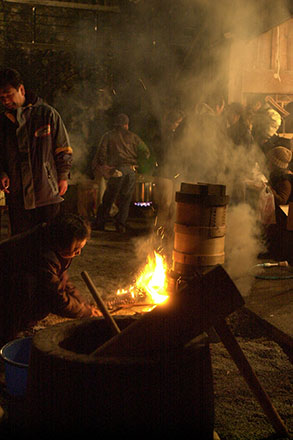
x=151, y=283
x=153, y=279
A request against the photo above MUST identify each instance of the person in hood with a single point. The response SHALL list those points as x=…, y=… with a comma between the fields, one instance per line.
x=281, y=177
x=34, y=275
x=35, y=155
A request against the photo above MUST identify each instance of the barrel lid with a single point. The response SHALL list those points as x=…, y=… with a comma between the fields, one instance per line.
x=203, y=199
x=207, y=194
x=203, y=188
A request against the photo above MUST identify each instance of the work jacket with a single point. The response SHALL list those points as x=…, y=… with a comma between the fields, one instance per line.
x=34, y=282
x=120, y=147
x=34, y=153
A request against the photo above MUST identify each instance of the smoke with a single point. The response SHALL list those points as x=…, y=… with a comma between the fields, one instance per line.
x=204, y=153
x=242, y=245
x=83, y=111
x=176, y=54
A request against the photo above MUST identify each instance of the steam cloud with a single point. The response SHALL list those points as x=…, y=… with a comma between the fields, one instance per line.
x=153, y=74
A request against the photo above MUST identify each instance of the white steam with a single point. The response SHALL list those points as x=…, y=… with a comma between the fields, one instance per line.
x=147, y=72
x=242, y=245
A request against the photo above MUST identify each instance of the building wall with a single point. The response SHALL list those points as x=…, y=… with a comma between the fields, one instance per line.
x=263, y=65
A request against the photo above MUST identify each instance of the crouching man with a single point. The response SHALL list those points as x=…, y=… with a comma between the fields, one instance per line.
x=33, y=275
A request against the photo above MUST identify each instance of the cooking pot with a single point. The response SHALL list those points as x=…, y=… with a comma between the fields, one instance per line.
x=143, y=191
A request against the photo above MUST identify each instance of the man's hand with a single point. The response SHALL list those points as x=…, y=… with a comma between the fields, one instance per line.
x=62, y=185
x=107, y=171
x=4, y=184
x=95, y=312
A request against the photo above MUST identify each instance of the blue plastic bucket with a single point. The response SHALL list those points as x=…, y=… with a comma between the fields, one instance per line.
x=16, y=355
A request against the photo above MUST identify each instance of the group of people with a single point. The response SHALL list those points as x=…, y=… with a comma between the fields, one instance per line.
x=258, y=123
x=35, y=164
x=240, y=145
x=254, y=127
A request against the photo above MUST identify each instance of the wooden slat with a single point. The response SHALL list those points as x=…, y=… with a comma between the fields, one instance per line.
x=290, y=217
x=61, y=4
x=263, y=81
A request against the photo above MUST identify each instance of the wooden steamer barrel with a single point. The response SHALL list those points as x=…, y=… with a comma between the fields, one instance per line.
x=200, y=227
x=70, y=390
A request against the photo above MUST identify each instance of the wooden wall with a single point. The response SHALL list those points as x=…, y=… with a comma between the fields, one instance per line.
x=263, y=65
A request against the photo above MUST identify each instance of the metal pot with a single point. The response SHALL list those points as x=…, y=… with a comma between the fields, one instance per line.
x=143, y=192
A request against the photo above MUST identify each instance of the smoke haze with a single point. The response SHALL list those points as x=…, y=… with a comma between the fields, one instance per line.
x=175, y=54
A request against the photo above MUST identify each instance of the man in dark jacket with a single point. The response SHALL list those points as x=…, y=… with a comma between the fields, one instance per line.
x=33, y=275
x=117, y=157
x=35, y=156
x=279, y=238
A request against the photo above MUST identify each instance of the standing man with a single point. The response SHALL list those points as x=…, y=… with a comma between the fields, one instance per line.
x=117, y=158
x=35, y=156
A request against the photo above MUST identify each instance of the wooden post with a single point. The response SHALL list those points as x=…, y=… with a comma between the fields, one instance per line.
x=248, y=374
x=185, y=315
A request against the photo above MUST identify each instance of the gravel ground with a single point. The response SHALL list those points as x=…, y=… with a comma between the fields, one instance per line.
x=113, y=261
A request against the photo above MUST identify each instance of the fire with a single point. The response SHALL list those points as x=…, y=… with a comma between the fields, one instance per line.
x=153, y=279
x=150, y=286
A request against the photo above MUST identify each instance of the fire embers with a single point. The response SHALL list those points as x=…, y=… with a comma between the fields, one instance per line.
x=149, y=289
x=199, y=238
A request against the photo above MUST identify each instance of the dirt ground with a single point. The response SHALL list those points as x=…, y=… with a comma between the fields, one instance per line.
x=113, y=261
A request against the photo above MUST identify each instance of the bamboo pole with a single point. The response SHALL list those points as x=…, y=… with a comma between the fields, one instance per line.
x=97, y=297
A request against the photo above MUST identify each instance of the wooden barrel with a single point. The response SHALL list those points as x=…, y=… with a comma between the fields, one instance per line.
x=69, y=390
x=200, y=227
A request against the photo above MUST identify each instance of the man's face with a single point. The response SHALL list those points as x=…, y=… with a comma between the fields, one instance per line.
x=12, y=98
x=74, y=249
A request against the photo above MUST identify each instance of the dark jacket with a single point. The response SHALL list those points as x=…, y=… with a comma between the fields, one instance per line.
x=281, y=182
x=119, y=147
x=34, y=153
x=240, y=134
x=34, y=282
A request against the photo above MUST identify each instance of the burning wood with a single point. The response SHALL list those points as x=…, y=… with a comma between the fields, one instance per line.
x=185, y=315
x=149, y=288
